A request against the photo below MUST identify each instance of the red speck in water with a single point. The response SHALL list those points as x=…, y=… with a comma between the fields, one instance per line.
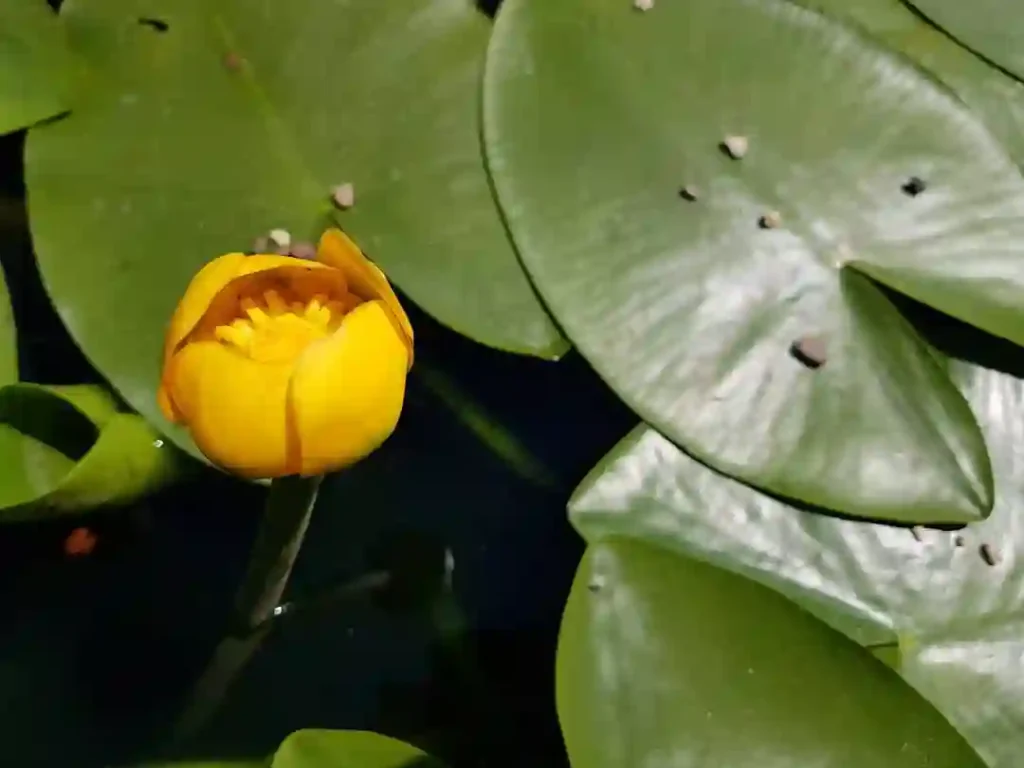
x=79, y=542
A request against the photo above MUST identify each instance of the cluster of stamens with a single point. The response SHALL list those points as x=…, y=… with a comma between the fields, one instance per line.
x=276, y=329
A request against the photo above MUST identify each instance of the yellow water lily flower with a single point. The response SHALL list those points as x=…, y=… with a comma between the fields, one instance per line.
x=283, y=366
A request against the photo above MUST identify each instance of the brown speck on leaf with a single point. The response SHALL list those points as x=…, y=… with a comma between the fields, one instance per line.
x=261, y=245
x=770, y=220
x=689, y=192
x=233, y=61
x=277, y=241
x=344, y=196
x=989, y=554
x=281, y=238
x=303, y=250
x=810, y=350
x=735, y=146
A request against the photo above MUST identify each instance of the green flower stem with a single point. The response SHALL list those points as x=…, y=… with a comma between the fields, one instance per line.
x=289, y=507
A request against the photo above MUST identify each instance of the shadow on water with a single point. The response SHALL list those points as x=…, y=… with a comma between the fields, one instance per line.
x=46, y=353
x=961, y=341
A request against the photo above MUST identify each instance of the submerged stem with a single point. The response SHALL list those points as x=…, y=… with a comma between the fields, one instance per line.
x=286, y=517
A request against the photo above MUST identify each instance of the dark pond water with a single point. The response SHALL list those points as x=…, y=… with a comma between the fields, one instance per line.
x=96, y=652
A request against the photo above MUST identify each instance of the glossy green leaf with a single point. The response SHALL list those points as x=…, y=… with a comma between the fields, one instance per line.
x=314, y=748
x=70, y=449
x=66, y=449
x=664, y=660
x=236, y=120
x=992, y=28
x=595, y=116
x=955, y=619
x=994, y=96
x=36, y=71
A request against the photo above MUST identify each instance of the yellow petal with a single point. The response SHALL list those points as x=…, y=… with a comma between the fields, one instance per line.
x=236, y=409
x=216, y=277
x=261, y=262
x=364, y=279
x=347, y=390
x=207, y=283
x=167, y=408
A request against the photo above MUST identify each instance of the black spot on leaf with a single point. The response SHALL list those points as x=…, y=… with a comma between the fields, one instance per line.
x=914, y=186
x=158, y=24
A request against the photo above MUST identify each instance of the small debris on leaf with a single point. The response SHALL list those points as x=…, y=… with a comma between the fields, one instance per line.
x=770, y=220
x=233, y=61
x=989, y=554
x=80, y=542
x=958, y=541
x=735, y=146
x=915, y=531
x=689, y=192
x=595, y=584
x=643, y=5
x=261, y=245
x=281, y=238
x=344, y=196
x=914, y=186
x=811, y=351
x=303, y=250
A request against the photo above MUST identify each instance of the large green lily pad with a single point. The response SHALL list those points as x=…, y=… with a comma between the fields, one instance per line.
x=994, y=96
x=664, y=660
x=595, y=116
x=236, y=120
x=318, y=748
x=36, y=70
x=955, y=619
x=992, y=28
